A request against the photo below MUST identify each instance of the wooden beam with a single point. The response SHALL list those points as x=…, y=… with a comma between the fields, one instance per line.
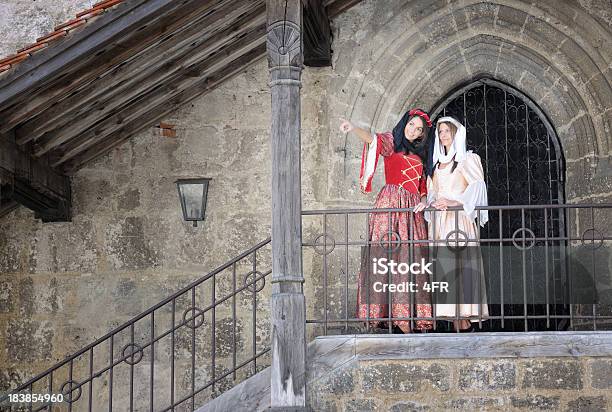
x=33, y=183
x=30, y=94
x=206, y=21
x=317, y=34
x=337, y=7
x=287, y=303
x=178, y=68
x=71, y=165
x=7, y=204
x=162, y=94
x=7, y=207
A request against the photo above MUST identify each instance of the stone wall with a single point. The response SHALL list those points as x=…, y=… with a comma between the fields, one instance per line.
x=127, y=246
x=393, y=55
x=432, y=372
x=489, y=385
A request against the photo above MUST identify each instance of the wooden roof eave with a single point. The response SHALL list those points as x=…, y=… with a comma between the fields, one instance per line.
x=123, y=72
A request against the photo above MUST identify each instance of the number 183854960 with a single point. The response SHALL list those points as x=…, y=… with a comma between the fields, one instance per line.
x=35, y=397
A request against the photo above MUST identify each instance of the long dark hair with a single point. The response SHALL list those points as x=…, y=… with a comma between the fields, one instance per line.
x=400, y=144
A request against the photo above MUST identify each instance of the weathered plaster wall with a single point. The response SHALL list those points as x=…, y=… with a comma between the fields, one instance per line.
x=23, y=21
x=127, y=246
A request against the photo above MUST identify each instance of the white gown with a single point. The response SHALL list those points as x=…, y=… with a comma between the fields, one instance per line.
x=465, y=184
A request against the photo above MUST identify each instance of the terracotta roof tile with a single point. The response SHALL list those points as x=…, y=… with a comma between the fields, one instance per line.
x=88, y=14
x=32, y=47
x=51, y=36
x=15, y=58
x=59, y=31
x=106, y=4
x=70, y=24
x=98, y=7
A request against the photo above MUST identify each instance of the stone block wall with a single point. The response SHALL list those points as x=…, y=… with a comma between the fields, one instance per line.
x=538, y=384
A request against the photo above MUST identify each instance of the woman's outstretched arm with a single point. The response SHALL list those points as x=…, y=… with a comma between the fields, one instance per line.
x=364, y=135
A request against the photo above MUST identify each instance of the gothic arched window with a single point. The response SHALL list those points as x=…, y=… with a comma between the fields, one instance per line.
x=523, y=165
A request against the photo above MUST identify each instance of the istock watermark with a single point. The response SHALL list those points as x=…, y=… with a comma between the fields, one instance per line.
x=383, y=266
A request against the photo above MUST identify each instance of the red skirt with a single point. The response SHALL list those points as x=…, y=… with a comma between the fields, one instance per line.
x=396, y=226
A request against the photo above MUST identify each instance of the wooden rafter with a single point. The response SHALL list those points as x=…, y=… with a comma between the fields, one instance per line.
x=33, y=183
x=317, y=34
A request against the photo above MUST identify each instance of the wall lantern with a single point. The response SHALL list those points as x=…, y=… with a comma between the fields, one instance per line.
x=193, y=193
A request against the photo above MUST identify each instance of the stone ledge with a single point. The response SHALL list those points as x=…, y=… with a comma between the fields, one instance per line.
x=473, y=345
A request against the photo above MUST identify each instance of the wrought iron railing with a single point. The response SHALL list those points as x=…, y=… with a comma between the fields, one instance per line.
x=545, y=267
x=174, y=356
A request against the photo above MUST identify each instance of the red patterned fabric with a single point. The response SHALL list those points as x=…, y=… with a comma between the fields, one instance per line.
x=400, y=169
x=405, y=184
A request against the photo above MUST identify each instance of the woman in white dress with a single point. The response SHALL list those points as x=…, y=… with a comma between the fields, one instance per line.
x=457, y=181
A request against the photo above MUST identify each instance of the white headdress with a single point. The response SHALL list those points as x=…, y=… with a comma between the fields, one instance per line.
x=457, y=149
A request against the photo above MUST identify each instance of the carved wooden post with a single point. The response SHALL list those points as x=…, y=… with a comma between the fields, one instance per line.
x=288, y=310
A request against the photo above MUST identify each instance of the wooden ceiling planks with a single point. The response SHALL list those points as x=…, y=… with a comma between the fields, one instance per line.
x=141, y=62
x=240, y=38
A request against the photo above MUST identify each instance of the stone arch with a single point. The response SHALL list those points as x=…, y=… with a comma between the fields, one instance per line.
x=554, y=54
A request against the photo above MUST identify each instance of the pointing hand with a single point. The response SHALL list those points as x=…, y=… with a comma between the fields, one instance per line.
x=346, y=126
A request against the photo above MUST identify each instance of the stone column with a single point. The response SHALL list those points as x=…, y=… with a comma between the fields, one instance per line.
x=288, y=310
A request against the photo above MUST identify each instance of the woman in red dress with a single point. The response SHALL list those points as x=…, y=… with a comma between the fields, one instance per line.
x=404, y=154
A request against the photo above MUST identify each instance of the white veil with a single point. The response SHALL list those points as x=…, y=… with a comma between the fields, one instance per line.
x=457, y=149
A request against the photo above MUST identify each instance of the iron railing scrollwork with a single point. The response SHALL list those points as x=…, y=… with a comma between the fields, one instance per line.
x=192, y=345
x=536, y=278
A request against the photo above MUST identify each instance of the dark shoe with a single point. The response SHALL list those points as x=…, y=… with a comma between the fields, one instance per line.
x=397, y=330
